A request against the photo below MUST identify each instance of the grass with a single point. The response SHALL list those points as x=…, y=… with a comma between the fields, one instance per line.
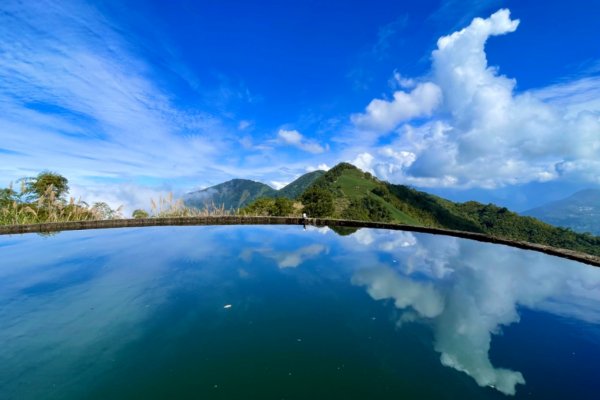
x=353, y=185
x=168, y=207
x=49, y=208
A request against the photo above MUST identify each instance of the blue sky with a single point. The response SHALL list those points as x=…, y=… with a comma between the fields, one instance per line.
x=487, y=100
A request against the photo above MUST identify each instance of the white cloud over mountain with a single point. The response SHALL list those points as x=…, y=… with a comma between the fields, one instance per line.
x=481, y=132
x=296, y=139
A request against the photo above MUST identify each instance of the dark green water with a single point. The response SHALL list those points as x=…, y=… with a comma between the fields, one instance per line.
x=282, y=313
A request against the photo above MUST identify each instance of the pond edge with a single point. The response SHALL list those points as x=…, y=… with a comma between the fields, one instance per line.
x=243, y=220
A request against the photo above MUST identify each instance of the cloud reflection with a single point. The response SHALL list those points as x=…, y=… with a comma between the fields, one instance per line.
x=287, y=259
x=468, y=291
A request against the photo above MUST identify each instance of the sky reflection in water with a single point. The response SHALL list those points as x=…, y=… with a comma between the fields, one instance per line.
x=81, y=311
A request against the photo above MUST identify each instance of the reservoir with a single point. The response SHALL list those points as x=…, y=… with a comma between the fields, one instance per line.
x=282, y=312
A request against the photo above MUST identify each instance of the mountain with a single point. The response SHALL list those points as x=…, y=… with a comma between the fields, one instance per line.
x=580, y=212
x=232, y=194
x=297, y=187
x=238, y=193
x=347, y=192
x=359, y=195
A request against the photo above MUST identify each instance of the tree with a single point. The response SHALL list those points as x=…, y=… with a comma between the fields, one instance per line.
x=102, y=210
x=7, y=196
x=282, y=207
x=43, y=184
x=139, y=214
x=279, y=207
x=317, y=202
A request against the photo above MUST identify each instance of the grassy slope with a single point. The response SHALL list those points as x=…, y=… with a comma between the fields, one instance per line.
x=353, y=184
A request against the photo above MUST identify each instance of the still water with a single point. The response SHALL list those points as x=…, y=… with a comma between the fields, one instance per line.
x=282, y=313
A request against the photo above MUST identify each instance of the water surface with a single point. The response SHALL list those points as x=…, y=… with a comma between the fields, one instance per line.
x=282, y=313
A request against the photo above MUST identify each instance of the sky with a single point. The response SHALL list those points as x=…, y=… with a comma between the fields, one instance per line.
x=494, y=101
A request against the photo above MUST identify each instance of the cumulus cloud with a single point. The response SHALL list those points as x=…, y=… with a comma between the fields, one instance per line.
x=296, y=139
x=320, y=167
x=399, y=81
x=481, y=132
x=470, y=302
x=382, y=115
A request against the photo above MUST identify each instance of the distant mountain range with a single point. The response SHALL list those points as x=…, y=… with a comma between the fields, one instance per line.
x=358, y=195
x=238, y=193
x=580, y=212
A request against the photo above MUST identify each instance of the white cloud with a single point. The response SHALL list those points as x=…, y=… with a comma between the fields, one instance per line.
x=402, y=82
x=320, y=167
x=79, y=98
x=364, y=161
x=383, y=116
x=295, y=138
x=576, y=96
x=127, y=196
x=243, y=125
x=279, y=184
x=80, y=104
x=483, y=134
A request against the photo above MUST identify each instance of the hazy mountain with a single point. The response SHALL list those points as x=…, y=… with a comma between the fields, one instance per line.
x=580, y=212
x=232, y=194
x=238, y=193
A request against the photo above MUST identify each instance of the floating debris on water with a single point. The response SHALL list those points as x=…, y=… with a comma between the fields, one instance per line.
x=227, y=306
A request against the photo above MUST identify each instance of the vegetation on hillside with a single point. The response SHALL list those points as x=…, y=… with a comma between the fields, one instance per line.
x=279, y=207
x=346, y=192
x=343, y=192
x=317, y=202
x=42, y=198
x=295, y=189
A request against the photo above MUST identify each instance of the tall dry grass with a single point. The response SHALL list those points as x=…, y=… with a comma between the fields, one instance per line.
x=168, y=207
x=48, y=208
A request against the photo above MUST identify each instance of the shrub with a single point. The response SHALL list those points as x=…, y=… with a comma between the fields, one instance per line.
x=139, y=214
x=317, y=202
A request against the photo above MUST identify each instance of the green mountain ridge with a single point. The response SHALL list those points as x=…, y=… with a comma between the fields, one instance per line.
x=358, y=195
x=346, y=192
x=297, y=187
